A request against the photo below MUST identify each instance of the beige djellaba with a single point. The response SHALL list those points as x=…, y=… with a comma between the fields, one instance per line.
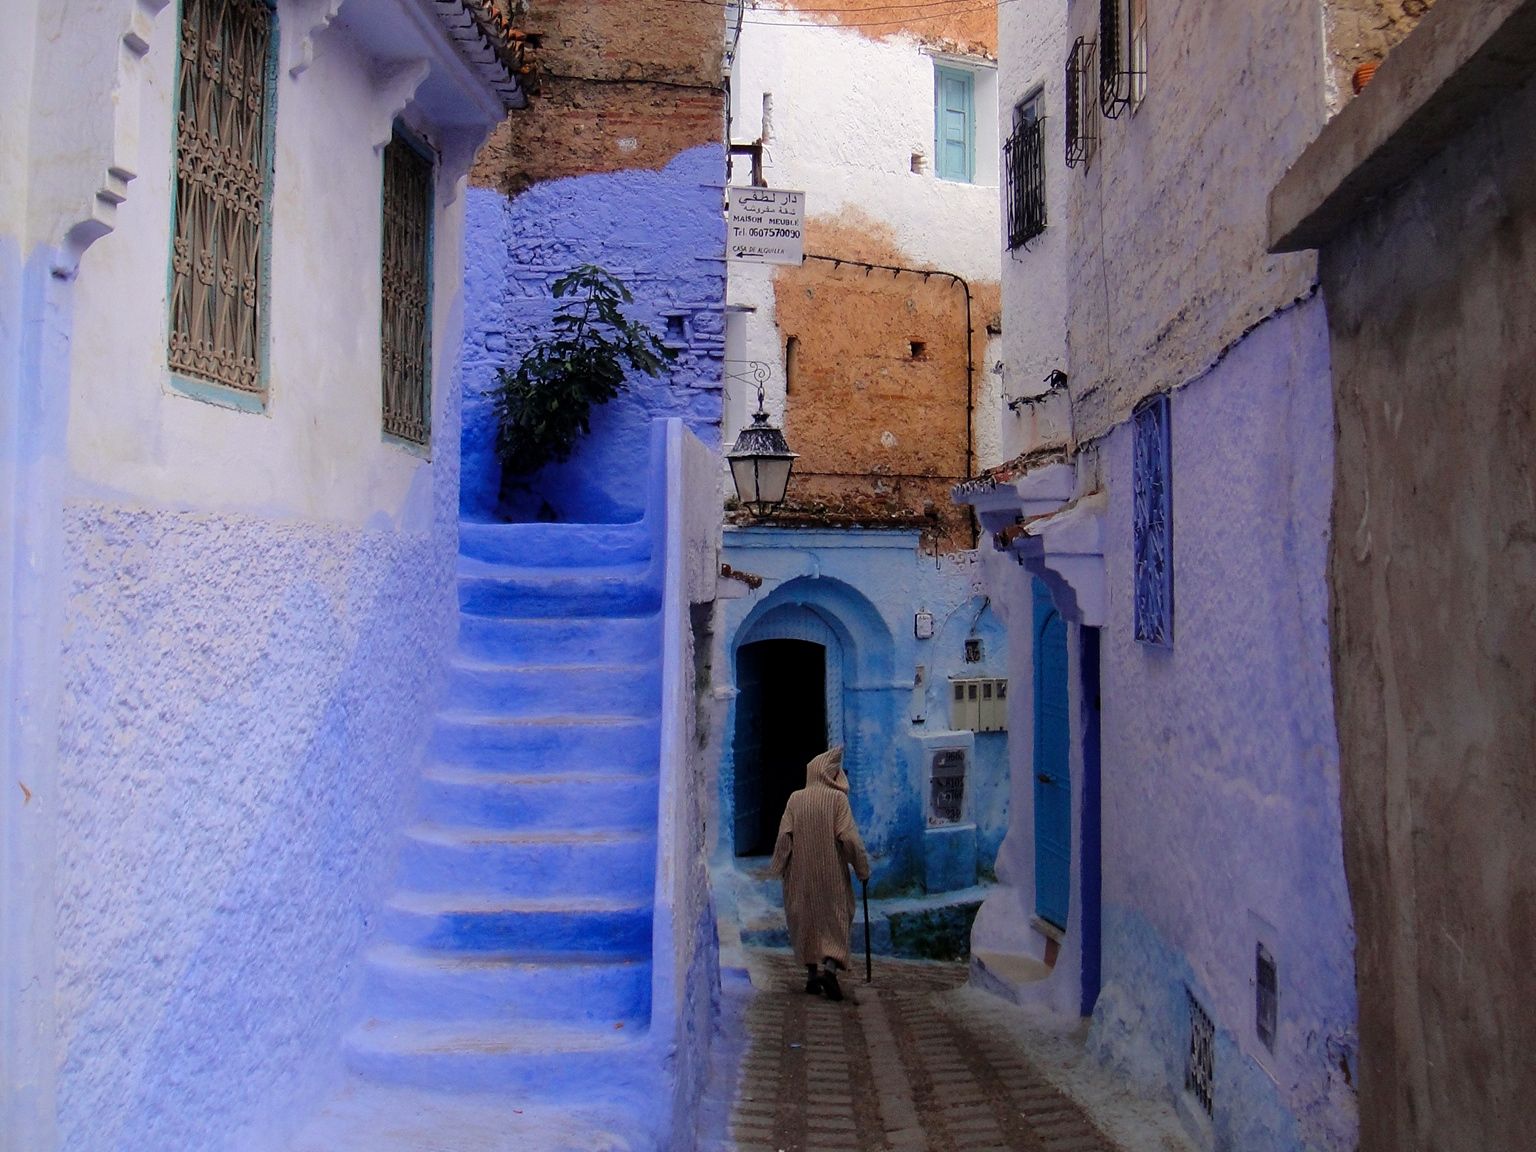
x=818, y=842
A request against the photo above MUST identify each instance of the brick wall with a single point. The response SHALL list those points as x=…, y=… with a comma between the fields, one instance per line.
x=623, y=84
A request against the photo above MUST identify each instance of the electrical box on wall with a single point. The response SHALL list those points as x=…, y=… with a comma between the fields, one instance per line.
x=979, y=704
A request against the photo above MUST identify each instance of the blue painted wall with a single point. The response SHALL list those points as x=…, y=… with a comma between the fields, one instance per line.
x=663, y=233
x=866, y=585
x=1220, y=788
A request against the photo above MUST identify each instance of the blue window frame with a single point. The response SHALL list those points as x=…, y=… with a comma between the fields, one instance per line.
x=954, y=123
x=1152, y=521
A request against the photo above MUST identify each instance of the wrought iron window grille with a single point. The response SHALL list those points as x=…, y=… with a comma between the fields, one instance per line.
x=1122, y=65
x=406, y=292
x=1024, y=173
x=1082, y=121
x=225, y=74
x=1152, y=521
x=1200, y=1060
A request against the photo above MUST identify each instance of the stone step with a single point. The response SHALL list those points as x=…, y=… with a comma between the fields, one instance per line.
x=561, y=639
x=530, y=864
x=410, y=983
x=532, y=1060
x=522, y=592
x=539, y=689
x=564, y=800
x=495, y=923
x=532, y=745
x=556, y=545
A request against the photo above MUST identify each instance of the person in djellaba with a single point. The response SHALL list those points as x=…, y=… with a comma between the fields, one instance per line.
x=818, y=842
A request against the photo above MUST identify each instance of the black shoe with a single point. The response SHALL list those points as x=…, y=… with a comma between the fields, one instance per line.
x=830, y=986
x=812, y=985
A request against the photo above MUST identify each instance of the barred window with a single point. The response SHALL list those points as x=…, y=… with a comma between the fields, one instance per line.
x=406, y=337
x=1082, y=119
x=1024, y=173
x=218, y=272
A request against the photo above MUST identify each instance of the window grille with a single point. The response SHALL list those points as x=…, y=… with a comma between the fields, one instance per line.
x=406, y=296
x=1152, y=521
x=1082, y=107
x=1266, y=995
x=1122, y=56
x=1024, y=168
x=218, y=274
x=1200, y=1061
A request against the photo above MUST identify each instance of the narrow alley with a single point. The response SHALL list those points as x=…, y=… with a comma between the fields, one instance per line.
x=914, y=1062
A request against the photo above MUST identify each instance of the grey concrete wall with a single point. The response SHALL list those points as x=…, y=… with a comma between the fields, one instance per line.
x=1432, y=570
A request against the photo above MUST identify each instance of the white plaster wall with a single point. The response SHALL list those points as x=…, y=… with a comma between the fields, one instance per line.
x=847, y=114
x=318, y=450
x=1032, y=49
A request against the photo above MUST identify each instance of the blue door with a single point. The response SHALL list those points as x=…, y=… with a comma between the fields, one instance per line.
x=1053, y=774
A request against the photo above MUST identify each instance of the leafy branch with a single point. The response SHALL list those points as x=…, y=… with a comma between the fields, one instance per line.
x=545, y=404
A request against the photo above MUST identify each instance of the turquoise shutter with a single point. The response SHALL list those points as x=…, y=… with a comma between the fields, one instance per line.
x=954, y=124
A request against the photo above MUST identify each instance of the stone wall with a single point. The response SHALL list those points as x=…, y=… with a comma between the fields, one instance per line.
x=663, y=234
x=1361, y=30
x=621, y=86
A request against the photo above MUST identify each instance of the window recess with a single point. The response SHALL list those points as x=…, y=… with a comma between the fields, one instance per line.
x=406, y=293
x=225, y=75
x=1024, y=174
x=1122, y=55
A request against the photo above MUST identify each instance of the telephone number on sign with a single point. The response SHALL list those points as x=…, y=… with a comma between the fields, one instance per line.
x=773, y=233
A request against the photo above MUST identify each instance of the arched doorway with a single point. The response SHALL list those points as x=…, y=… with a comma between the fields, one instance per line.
x=781, y=723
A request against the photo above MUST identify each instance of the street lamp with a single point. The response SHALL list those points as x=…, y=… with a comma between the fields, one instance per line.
x=760, y=462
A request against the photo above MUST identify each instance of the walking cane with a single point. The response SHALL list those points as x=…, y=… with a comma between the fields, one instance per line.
x=869, y=964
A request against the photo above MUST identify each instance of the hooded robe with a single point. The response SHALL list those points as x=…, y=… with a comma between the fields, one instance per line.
x=818, y=842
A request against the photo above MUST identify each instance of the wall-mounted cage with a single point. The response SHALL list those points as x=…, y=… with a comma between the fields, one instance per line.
x=1082, y=120
x=1200, y=1060
x=978, y=704
x=946, y=787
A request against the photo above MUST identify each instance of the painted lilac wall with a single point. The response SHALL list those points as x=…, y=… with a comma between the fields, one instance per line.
x=663, y=234
x=1221, y=778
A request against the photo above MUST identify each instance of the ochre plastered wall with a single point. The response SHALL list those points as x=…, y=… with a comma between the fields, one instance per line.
x=968, y=28
x=881, y=428
x=622, y=84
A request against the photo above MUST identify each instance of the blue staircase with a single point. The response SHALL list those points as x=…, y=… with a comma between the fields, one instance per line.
x=515, y=952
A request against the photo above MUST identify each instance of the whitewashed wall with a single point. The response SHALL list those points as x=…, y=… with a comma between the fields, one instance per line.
x=845, y=115
x=222, y=626
x=1032, y=50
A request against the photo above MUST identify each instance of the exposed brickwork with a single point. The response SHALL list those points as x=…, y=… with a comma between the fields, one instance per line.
x=622, y=84
x=968, y=28
x=876, y=403
x=1361, y=30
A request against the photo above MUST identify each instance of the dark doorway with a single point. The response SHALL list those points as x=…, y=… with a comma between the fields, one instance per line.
x=781, y=723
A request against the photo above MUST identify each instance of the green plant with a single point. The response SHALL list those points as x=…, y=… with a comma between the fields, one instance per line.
x=544, y=405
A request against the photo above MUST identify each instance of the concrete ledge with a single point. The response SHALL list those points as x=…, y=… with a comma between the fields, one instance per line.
x=1464, y=57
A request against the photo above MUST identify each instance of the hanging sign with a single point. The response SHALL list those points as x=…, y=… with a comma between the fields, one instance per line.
x=765, y=225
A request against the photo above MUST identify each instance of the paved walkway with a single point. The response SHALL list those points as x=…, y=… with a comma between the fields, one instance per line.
x=904, y=1065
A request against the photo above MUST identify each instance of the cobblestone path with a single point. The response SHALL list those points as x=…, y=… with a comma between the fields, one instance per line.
x=898, y=1067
